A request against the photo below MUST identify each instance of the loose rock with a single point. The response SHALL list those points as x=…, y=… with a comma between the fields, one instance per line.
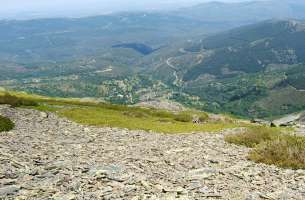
x=48, y=157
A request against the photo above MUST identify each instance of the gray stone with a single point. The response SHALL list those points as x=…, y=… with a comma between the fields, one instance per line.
x=43, y=157
x=9, y=190
x=288, y=120
x=202, y=173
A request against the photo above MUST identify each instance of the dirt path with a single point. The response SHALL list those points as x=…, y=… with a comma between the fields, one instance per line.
x=168, y=62
x=177, y=80
x=46, y=157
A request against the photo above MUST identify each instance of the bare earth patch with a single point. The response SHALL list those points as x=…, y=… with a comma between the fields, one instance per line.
x=49, y=157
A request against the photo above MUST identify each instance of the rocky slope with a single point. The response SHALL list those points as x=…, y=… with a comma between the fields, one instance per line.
x=47, y=157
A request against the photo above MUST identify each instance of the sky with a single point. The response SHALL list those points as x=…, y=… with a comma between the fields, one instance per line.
x=30, y=8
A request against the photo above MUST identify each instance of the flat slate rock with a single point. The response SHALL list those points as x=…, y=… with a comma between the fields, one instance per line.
x=47, y=157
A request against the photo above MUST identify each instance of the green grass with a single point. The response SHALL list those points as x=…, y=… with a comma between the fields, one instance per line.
x=98, y=116
x=6, y=124
x=122, y=116
x=183, y=117
x=15, y=101
x=271, y=146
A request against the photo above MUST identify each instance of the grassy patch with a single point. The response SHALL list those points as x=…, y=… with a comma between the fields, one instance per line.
x=6, y=124
x=98, y=116
x=16, y=101
x=286, y=151
x=183, y=117
x=253, y=136
x=121, y=116
x=270, y=146
x=203, y=117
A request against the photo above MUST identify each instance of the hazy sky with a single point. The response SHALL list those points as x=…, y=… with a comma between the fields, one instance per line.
x=58, y=7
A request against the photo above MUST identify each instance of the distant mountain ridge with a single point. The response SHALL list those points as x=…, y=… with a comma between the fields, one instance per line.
x=246, y=12
x=252, y=48
x=216, y=64
x=256, y=70
x=33, y=9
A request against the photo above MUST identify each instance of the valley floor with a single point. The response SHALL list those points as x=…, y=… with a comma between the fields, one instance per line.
x=47, y=157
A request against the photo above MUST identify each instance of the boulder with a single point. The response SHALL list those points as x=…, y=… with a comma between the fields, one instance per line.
x=288, y=120
x=9, y=190
x=301, y=120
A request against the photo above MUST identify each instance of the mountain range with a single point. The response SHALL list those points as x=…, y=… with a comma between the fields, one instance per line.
x=245, y=12
x=256, y=70
x=245, y=59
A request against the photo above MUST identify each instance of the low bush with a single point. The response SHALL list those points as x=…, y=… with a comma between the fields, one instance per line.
x=203, y=117
x=162, y=113
x=6, y=124
x=286, y=151
x=253, y=136
x=16, y=101
x=272, y=147
x=183, y=117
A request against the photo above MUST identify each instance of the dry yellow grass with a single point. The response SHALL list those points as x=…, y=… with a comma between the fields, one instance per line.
x=270, y=146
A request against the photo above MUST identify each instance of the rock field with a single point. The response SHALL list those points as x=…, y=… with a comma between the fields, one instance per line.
x=47, y=157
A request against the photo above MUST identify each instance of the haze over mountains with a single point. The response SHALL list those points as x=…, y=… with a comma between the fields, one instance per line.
x=248, y=11
x=244, y=58
x=78, y=8
x=215, y=10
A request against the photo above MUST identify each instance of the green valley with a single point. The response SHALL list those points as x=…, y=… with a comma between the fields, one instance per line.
x=252, y=70
x=153, y=99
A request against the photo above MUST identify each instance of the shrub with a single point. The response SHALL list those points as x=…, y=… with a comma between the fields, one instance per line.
x=136, y=114
x=286, y=151
x=162, y=113
x=5, y=124
x=183, y=117
x=16, y=101
x=253, y=136
x=203, y=117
